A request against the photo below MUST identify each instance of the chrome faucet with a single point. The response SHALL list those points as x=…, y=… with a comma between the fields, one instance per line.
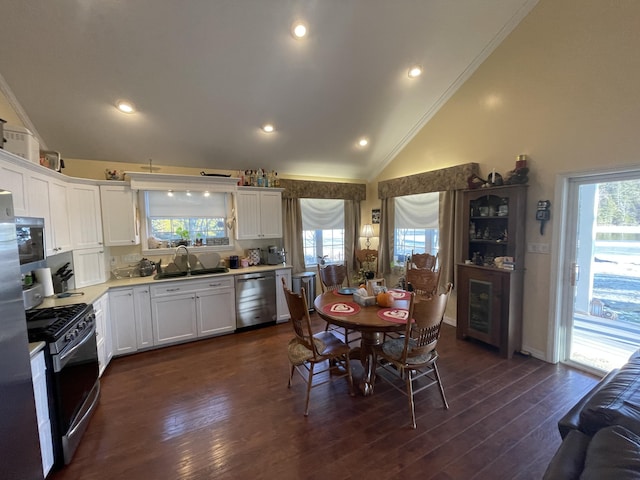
x=187, y=252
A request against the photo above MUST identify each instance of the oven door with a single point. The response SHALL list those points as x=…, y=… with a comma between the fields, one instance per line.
x=76, y=387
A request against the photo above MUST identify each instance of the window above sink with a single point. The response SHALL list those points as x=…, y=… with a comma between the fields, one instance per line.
x=185, y=210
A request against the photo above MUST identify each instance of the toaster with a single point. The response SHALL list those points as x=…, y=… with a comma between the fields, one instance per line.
x=274, y=258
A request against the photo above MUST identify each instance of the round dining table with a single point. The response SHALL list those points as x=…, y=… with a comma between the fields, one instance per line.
x=372, y=322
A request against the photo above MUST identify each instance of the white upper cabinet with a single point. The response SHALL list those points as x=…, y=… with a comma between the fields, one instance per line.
x=90, y=266
x=120, y=215
x=86, y=217
x=48, y=200
x=60, y=214
x=259, y=213
x=16, y=180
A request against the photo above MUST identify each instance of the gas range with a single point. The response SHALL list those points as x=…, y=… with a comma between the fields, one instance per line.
x=59, y=326
x=71, y=356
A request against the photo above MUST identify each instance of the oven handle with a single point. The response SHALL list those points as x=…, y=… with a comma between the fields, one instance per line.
x=59, y=361
x=88, y=411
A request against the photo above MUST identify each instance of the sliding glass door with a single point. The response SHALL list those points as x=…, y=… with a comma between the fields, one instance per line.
x=602, y=270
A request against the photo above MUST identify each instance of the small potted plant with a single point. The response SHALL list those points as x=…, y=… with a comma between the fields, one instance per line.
x=184, y=236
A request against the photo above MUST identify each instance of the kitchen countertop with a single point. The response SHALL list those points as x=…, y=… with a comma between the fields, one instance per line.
x=92, y=293
x=35, y=347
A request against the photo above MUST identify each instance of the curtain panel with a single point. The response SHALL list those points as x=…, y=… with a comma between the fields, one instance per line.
x=351, y=233
x=387, y=221
x=293, y=243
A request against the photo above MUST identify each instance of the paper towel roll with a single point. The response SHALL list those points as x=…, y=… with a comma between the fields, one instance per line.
x=43, y=275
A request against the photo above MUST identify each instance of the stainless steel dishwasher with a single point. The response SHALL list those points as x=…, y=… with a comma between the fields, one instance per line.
x=255, y=299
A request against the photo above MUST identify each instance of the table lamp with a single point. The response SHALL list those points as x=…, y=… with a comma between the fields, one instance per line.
x=367, y=232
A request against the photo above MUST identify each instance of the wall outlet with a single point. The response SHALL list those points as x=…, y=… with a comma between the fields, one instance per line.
x=538, y=248
x=114, y=261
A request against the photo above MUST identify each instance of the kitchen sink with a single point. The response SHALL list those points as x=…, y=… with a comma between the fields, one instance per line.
x=184, y=273
x=208, y=271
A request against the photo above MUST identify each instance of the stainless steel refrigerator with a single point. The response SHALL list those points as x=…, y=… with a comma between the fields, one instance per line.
x=19, y=441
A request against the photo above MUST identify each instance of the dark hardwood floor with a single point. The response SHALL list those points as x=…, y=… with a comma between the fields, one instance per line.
x=220, y=408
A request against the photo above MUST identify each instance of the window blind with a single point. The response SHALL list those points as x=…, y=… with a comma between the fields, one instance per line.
x=322, y=214
x=417, y=211
x=185, y=205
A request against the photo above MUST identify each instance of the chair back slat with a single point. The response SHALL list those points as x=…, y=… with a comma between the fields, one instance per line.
x=333, y=276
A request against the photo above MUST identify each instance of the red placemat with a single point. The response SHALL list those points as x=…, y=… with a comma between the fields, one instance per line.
x=341, y=308
x=395, y=315
x=400, y=294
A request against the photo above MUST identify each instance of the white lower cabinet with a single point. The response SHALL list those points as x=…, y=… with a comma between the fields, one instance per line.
x=131, y=324
x=103, y=332
x=216, y=307
x=144, y=322
x=38, y=374
x=282, y=309
x=174, y=313
x=187, y=310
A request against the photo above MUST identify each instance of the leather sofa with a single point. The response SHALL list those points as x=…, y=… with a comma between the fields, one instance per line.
x=601, y=433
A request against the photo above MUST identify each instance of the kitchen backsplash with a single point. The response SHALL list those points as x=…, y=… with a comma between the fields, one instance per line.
x=126, y=256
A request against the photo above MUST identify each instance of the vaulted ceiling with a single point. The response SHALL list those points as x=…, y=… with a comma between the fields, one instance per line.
x=205, y=75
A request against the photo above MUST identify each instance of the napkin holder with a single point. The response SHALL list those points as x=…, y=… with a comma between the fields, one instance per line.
x=364, y=301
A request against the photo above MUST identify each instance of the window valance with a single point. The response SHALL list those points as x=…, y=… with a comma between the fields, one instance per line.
x=451, y=178
x=311, y=189
x=192, y=183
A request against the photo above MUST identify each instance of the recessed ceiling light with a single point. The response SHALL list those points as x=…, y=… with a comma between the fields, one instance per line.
x=363, y=142
x=125, y=107
x=415, y=71
x=299, y=29
x=268, y=128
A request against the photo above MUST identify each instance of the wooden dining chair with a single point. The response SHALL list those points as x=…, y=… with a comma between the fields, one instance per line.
x=413, y=358
x=423, y=260
x=334, y=277
x=422, y=281
x=368, y=260
x=306, y=349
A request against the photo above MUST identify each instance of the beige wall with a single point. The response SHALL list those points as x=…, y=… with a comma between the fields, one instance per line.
x=7, y=113
x=563, y=89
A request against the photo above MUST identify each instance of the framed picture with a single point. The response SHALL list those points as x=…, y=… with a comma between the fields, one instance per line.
x=375, y=216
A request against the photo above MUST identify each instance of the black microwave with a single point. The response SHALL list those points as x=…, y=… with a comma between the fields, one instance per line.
x=30, y=236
